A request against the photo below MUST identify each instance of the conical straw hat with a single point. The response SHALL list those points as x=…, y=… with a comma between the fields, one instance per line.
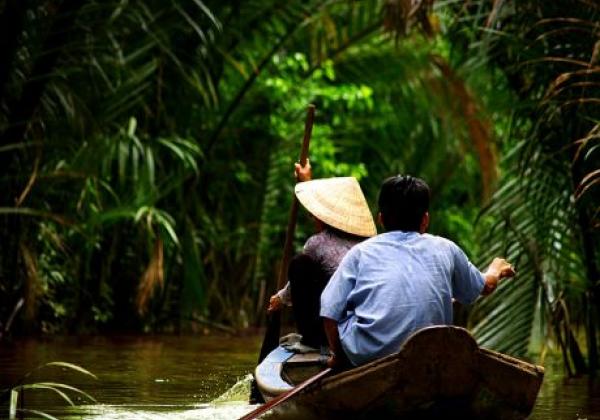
x=339, y=202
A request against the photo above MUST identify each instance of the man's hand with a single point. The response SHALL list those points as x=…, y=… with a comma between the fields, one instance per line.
x=303, y=173
x=501, y=268
x=275, y=303
x=332, y=361
x=335, y=346
x=498, y=269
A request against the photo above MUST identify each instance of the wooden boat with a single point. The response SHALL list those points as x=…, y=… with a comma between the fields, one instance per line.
x=439, y=372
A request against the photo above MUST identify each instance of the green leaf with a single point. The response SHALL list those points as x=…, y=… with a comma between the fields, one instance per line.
x=51, y=387
x=55, y=386
x=13, y=404
x=72, y=367
x=37, y=412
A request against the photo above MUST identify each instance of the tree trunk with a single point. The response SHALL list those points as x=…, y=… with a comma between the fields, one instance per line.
x=12, y=21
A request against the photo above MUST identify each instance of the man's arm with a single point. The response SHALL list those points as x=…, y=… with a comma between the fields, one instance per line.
x=498, y=269
x=333, y=303
x=333, y=338
x=468, y=283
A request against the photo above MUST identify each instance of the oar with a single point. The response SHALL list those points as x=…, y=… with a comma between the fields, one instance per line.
x=285, y=396
x=271, y=340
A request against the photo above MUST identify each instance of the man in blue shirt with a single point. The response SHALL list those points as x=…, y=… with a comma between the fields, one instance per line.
x=400, y=281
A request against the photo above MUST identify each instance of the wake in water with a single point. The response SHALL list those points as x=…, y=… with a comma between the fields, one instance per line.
x=240, y=391
x=232, y=404
x=227, y=411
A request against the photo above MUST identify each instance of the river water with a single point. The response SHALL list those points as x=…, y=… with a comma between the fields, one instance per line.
x=192, y=377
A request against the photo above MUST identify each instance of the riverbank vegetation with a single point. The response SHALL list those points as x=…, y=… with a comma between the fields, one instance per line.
x=146, y=152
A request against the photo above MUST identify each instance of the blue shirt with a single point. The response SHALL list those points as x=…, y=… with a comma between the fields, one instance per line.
x=394, y=284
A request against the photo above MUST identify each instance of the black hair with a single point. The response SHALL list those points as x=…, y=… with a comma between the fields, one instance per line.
x=403, y=200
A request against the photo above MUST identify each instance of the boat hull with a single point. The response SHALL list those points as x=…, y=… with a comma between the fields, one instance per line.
x=439, y=371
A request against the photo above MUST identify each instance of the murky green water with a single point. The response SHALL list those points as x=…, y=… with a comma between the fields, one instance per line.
x=170, y=377
x=138, y=377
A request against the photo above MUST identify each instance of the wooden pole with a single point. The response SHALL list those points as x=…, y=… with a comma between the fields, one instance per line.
x=271, y=340
x=291, y=227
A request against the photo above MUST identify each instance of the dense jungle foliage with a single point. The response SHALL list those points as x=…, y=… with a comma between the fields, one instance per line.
x=147, y=150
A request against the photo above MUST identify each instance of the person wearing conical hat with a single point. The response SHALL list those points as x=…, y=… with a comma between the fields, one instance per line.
x=342, y=219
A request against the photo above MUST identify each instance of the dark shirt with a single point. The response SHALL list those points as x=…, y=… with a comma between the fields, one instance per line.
x=326, y=248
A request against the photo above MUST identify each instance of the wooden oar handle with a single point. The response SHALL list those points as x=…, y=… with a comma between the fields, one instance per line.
x=291, y=227
x=308, y=125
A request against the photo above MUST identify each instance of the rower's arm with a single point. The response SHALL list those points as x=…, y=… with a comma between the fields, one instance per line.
x=333, y=338
x=468, y=283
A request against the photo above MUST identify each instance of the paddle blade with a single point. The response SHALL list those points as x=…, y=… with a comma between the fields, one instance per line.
x=271, y=340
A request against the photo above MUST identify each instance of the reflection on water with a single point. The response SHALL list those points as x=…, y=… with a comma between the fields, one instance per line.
x=168, y=377
x=566, y=398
